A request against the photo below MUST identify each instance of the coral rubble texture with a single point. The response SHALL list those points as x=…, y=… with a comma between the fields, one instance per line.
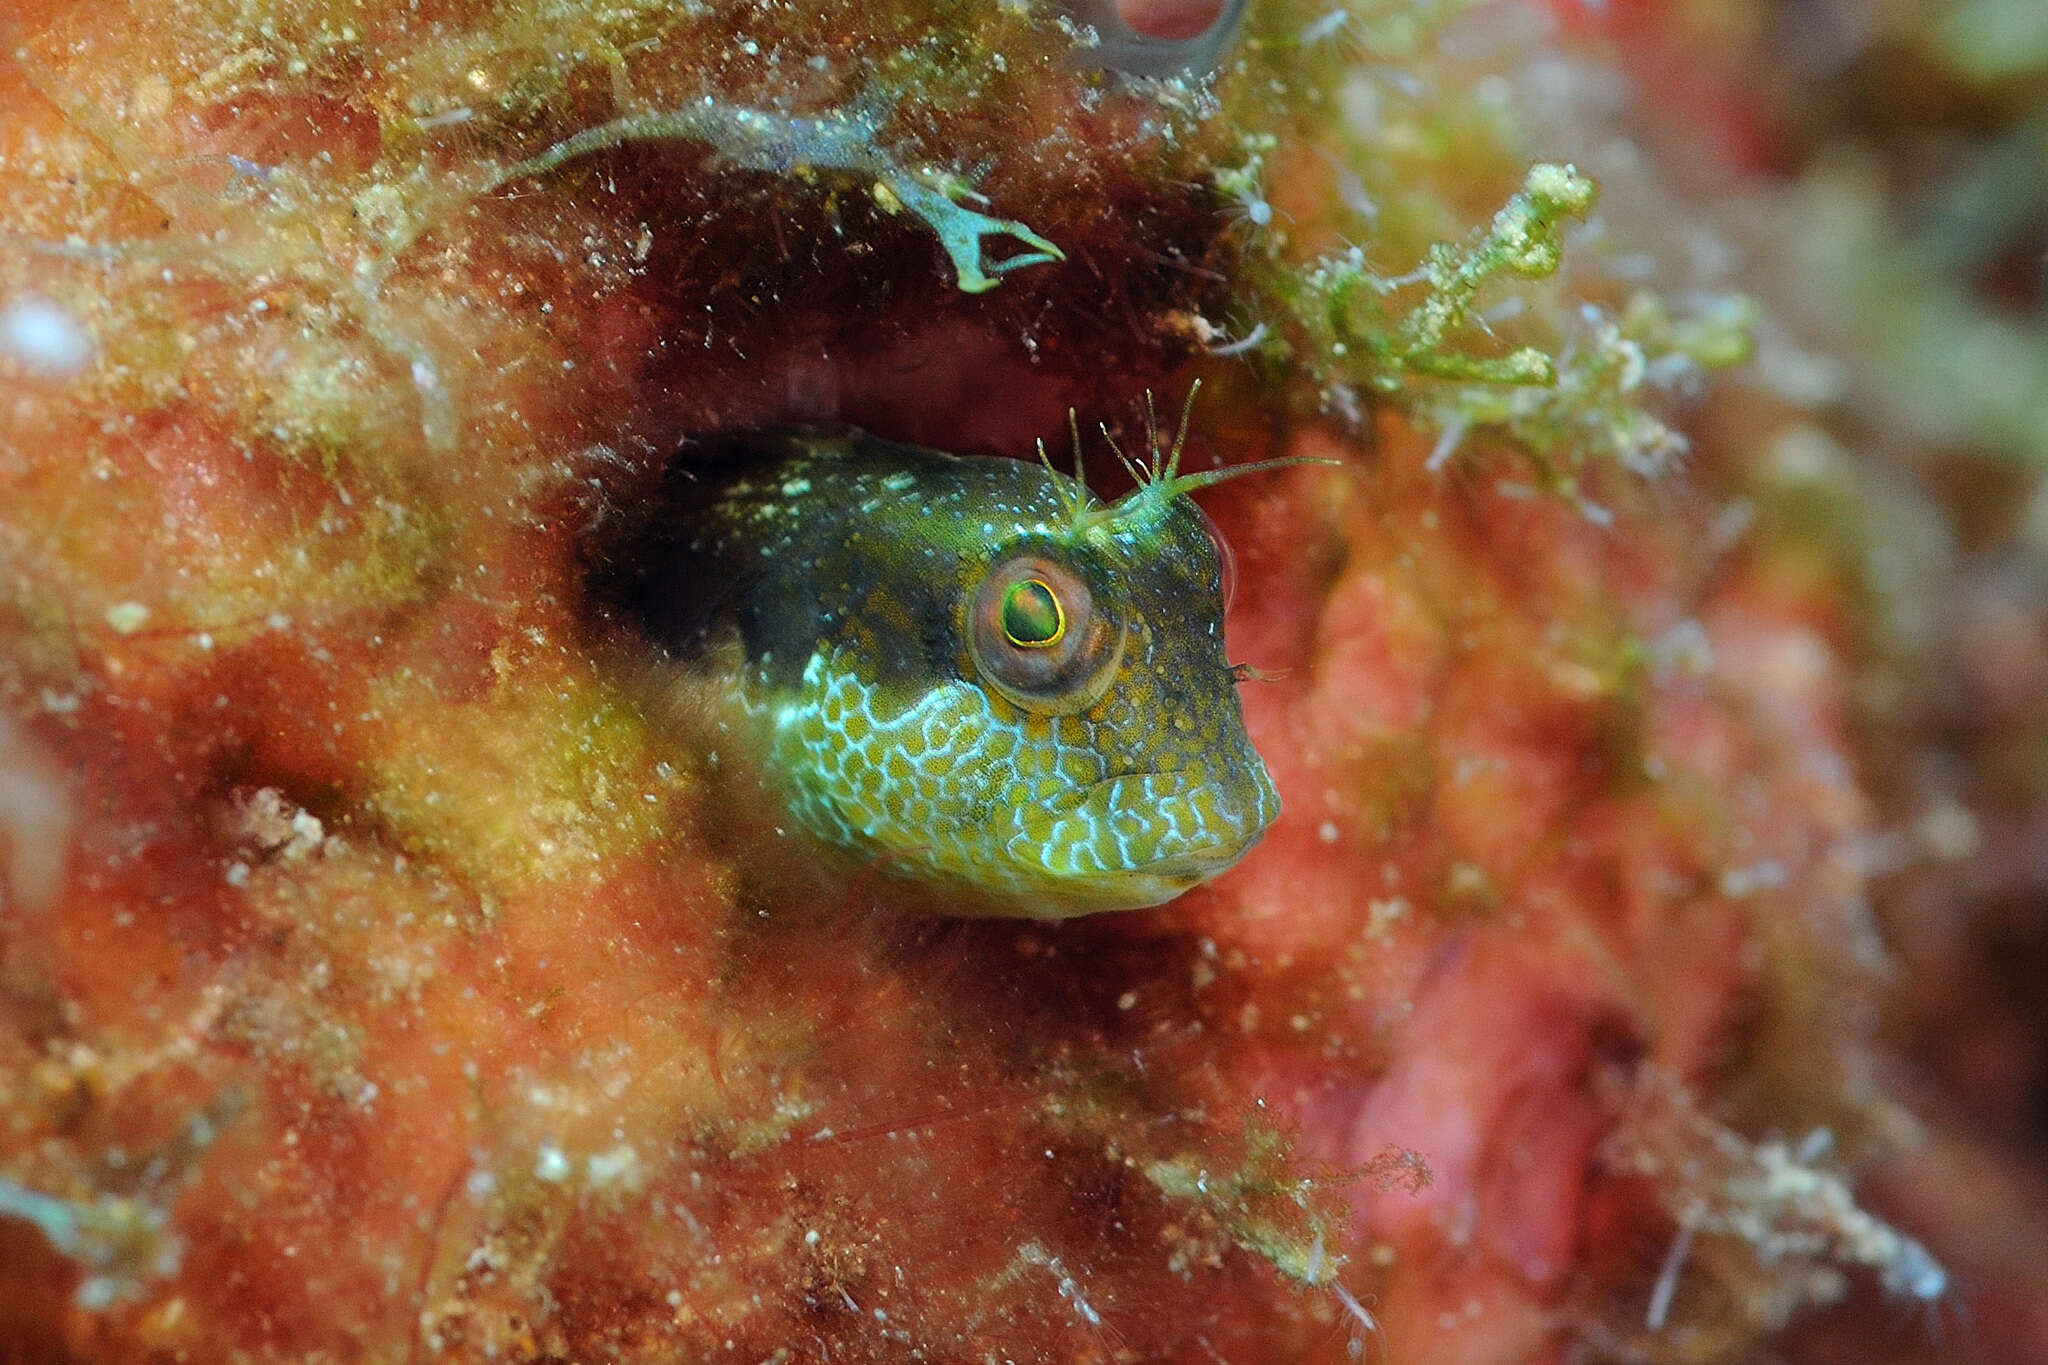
x=1645, y=964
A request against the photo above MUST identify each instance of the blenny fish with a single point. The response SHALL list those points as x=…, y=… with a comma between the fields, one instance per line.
x=967, y=671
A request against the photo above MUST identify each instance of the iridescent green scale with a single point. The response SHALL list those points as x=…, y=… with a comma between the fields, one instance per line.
x=968, y=671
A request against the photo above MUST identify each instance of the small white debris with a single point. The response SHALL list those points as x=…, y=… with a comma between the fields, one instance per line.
x=619, y=1166
x=1684, y=651
x=1384, y=914
x=35, y=823
x=1366, y=1341
x=1740, y=883
x=1912, y=1272
x=61, y=703
x=1659, y=1311
x=1447, y=442
x=550, y=1165
x=1248, y=342
x=1949, y=831
x=44, y=338
x=307, y=833
x=271, y=825
x=125, y=618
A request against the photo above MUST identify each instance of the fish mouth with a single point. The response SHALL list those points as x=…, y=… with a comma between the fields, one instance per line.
x=1140, y=839
x=1165, y=878
x=1197, y=862
x=1148, y=884
x=1199, y=865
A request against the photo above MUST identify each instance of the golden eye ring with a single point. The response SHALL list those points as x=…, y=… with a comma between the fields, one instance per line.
x=1032, y=615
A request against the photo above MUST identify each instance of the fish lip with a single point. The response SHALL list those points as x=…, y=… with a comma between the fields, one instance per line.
x=1167, y=875
x=1144, y=886
x=1172, y=877
x=1201, y=862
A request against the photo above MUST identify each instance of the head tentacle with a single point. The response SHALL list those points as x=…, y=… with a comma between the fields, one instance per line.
x=1158, y=478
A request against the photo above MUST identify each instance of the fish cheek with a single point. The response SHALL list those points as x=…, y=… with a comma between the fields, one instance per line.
x=895, y=636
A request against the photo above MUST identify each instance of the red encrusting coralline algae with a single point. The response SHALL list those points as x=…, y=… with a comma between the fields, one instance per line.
x=379, y=980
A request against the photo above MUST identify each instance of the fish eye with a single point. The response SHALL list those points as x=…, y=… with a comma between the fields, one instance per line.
x=1040, y=637
x=1032, y=615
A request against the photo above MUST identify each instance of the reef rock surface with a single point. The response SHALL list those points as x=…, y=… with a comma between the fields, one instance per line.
x=380, y=981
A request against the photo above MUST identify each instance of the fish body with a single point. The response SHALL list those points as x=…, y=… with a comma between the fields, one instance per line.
x=967, y=670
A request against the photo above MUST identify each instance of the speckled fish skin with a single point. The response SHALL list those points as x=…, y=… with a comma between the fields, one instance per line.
x=845, y=570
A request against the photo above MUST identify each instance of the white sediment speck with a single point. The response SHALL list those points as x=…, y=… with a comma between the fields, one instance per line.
x=42, y=337
x=125, y=618
x=620, y=1165
x=35, y=823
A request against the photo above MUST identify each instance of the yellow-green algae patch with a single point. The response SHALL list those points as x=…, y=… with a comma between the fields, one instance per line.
x=551, y=773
